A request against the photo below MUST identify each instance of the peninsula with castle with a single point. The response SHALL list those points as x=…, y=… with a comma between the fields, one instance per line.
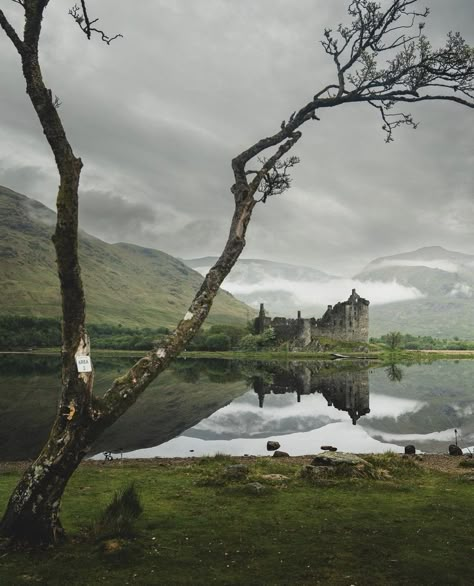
x=347, y=321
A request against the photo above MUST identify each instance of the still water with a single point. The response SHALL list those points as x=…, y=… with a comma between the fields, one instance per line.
x=202, y=407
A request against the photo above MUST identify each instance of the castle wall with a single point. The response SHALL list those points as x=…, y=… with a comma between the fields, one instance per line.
x=346, y=321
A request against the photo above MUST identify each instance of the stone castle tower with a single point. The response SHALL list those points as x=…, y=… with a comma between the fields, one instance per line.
x=346, y=321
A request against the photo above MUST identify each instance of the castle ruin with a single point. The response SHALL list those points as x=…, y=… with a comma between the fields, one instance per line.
x=347, y=321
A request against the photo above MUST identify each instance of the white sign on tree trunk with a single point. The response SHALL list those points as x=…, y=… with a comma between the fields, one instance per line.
x=84, y=363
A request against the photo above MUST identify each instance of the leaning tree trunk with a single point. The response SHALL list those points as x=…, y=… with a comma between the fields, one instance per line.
x=32, y=513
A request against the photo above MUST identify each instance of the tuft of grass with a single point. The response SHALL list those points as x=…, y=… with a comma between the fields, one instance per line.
x=467, y=463
x=396, y=465
x=118, y=518
x=222, y=456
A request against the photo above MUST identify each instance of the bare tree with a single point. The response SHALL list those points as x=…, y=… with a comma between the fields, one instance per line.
x=412, y=72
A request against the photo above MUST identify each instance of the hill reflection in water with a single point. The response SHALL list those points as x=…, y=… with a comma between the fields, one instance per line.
x=208, y=406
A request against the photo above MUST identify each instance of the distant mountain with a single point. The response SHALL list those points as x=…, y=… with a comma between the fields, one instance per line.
x=444, y=278
x=124, y=283
x=252, y=269
x=432, y=270
x=256, y=281
x=428, y=291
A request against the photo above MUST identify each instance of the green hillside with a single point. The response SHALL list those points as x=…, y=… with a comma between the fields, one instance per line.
x=124, y=283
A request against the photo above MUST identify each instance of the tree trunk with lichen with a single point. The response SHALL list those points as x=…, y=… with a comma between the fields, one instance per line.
x=32, y=513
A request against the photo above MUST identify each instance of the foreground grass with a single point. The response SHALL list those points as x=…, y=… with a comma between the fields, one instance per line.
x=414, y=527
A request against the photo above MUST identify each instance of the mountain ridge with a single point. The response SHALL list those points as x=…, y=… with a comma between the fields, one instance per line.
x=427, y=291
x=124, y=283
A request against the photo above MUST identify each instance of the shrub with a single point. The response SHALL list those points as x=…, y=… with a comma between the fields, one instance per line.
x=218, y=342
x=119, y=516
x=257, y=342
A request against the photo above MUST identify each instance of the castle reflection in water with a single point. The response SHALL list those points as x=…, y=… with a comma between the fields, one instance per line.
x=345, y=390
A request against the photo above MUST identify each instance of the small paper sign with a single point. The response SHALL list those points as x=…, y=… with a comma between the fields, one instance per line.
x=84, y=363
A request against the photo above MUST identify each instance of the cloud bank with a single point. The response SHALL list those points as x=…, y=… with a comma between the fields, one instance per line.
x=310, y=293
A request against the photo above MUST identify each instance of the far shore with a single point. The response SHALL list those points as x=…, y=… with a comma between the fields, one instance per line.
x=375, y=355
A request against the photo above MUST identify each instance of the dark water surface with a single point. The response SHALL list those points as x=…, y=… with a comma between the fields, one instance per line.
x=201, y=407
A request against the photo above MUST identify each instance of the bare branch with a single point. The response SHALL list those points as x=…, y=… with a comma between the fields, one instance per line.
x=81, y=17
x=392, y=120
x=11, y=33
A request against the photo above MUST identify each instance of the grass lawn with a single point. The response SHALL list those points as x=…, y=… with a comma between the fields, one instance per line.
x=411, y=526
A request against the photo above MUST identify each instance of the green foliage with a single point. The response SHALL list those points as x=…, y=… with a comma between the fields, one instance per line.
x=219, y=337
x=218, y=342
x=29, y=332
x=22, y=332
x=393, y=340
x=410, y=342
x=253, y=342
x=118, y=518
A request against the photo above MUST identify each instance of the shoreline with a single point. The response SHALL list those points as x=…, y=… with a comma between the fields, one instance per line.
x=382, y=356
x=437, y=462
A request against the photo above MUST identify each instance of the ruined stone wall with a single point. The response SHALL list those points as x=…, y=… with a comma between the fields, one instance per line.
x=286, y=329
x=346, y=321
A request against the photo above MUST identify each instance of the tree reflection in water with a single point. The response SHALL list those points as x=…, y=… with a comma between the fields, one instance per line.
x=394, y=373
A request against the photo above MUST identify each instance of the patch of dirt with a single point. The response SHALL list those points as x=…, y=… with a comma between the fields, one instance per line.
x=444, y=463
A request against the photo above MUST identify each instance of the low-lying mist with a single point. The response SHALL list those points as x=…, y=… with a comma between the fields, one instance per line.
x=279, y=294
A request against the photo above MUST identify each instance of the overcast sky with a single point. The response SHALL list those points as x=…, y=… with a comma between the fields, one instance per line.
x=158, y=115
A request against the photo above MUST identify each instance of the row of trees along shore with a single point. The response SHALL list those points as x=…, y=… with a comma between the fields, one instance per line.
x=29, y=333
x=381, y=58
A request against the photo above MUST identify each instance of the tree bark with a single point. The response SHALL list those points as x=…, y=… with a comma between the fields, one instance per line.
x=32, y=513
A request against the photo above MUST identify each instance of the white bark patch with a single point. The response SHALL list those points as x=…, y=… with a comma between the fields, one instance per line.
x=84, y=367
x=161, y=352
x=188, y=316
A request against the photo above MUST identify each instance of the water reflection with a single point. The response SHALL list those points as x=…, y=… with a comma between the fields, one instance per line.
x=346, y=391
x=394, y=373
x=200, y=407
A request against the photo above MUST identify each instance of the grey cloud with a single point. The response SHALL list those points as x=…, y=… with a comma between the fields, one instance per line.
x=108, y=214
x=158, y=116
x=24, y=178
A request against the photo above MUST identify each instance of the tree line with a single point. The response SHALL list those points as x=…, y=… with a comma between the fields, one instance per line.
x=397, y=340
x=24, y=333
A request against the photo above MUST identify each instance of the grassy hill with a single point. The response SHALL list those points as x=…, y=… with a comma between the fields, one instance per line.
x=124, y=283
